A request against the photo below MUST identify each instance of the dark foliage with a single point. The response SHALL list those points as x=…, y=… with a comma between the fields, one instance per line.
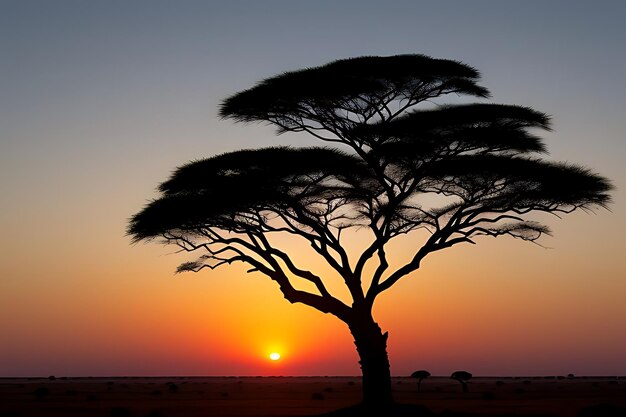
x=457, y=172
x=352, y=84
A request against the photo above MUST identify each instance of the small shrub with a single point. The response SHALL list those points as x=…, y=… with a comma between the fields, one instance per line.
x=602, y=410
x=317, y=396
x=488, y=396
x=120, y=412
x=10, y=414
x=499, y=383
x=41, y=392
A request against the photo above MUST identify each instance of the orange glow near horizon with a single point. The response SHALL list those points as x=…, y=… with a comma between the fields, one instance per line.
x=461, y=308
x=102, y=102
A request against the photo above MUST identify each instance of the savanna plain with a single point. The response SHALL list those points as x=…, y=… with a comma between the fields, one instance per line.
x=547, y=396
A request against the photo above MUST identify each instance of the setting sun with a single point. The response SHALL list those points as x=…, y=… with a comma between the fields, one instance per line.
x=274, y=356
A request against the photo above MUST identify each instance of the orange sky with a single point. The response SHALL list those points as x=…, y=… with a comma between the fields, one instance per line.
x=101, y=103
x=495, y=308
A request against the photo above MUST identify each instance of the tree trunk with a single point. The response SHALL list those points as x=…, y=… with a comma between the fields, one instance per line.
x=464, y=385
x=371, y=344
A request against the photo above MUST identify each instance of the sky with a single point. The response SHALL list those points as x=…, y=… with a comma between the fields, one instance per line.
x=101, y=100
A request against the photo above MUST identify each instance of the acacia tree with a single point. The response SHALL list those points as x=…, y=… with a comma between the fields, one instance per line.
x=462, y=377
x=390, y=167
x=420, y=375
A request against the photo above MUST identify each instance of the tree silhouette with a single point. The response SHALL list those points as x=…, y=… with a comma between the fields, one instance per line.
x=462, y=377
x=389, y=169
x=420, y=375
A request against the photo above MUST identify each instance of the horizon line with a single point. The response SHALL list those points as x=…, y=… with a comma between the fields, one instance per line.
x=67, y=377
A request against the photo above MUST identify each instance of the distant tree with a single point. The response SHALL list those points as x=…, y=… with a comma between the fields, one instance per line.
x=442, y=176
x=420, y=375
x=462, y=377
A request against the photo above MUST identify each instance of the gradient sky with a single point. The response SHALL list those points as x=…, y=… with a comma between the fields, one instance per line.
x=100, y=101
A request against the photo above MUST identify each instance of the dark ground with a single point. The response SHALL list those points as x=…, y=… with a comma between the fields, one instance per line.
x=308, y=396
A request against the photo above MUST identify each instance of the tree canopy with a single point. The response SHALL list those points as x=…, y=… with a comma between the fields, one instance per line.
x=483, y=161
